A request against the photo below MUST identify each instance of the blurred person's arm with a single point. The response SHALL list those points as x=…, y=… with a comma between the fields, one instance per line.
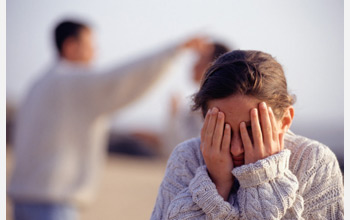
x=121, y=85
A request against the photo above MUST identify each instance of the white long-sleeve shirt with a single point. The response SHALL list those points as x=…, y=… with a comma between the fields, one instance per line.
x=181, y=126
x=62, y=128
x=303, y=181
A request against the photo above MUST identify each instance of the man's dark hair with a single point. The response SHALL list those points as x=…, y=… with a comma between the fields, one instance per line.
x=66, y=29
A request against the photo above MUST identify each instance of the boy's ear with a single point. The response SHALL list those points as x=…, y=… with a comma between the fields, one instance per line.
x=287, y=118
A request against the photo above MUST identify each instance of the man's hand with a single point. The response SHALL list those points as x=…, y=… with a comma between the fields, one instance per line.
x=199, y=44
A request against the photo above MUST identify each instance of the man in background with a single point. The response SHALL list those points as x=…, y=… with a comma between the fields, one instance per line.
x=62, y=125
x=182, y=123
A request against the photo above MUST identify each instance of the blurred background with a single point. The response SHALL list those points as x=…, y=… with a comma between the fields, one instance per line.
x=306, y=37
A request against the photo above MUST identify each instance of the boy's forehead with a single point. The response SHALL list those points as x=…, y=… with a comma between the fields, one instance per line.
x=236, y=108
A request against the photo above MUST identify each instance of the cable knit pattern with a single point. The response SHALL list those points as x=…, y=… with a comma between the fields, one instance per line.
x=205, y=195
x=301, y=182
x=263, y=170
x=268, y=188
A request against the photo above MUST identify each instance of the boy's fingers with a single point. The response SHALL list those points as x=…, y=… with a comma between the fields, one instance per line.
x=247, y=144
x=205, y=125
x=210, y=128
x=218, y=132
x=273, y=125
x=226, y=140
x=265, y=124
x=256, y=131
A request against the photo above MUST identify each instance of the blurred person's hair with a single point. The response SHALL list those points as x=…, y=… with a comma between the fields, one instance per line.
x=218, y=50
x=66, y=29
x=251, y=73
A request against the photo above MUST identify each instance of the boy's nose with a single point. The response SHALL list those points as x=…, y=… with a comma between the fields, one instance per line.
x=236, y=146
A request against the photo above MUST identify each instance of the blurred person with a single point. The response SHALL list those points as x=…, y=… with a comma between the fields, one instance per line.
x=183, y=123
x=247, y=163
x=137, y=143
x=62, y=125
x=10, y=120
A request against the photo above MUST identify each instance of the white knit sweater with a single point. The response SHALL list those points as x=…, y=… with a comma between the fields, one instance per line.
x=62, y=127
x=303, y=181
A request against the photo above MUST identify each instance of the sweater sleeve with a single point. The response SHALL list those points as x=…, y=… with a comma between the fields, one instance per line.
x=320, y=182
x=174, y=200
x=312, y=188
x=268, y=190
x=105, y=92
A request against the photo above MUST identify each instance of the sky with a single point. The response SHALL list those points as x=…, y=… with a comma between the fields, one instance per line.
x=306, y=37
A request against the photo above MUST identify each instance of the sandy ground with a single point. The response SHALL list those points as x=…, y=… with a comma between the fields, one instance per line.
x=128, y=189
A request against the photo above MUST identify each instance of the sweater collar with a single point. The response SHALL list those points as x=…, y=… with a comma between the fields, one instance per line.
x=63, y=66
